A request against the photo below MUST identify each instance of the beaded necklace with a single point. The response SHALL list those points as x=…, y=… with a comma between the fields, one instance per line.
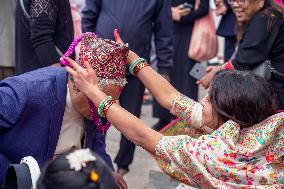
x=95, y=117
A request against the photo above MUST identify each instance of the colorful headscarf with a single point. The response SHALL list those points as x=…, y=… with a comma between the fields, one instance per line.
x=230, y=157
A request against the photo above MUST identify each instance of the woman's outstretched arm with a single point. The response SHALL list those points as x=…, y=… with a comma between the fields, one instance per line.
x=129, y=125
x=160, y=88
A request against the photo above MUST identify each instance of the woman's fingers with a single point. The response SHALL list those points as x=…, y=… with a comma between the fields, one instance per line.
x=117, y=36
x=71, y=71
x=88, y=65
x=73, y=63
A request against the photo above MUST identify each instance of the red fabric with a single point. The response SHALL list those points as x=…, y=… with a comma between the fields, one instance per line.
x=229, y=65
x=280, y=2
x=107, y=57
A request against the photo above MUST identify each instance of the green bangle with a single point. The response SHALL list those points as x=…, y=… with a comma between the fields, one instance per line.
x=102, y=104
x=134, y=64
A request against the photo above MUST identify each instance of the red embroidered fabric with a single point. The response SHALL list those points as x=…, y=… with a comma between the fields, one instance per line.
x=107, y=57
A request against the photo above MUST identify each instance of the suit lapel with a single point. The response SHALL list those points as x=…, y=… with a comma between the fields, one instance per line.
x=57, y=113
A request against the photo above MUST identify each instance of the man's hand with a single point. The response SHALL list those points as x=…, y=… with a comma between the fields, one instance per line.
x=178, y=12
x=120, y=180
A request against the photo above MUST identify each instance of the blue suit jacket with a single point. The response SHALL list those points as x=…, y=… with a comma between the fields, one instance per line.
x=31, y=114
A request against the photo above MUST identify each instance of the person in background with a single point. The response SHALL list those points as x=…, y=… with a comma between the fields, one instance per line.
x=80, y=4
x=158, y=112
x=227, y=27
x=183, y=26
x=44, y=30
x=183, y=18
x=7, y=38
x=77, y=20
x=137, y=21
x=260, y=39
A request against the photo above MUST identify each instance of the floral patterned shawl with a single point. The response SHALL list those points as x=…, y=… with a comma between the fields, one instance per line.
x=227, y=158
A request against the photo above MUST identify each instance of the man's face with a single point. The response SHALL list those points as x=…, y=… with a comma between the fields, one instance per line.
x=80, y=101
x=112, y=90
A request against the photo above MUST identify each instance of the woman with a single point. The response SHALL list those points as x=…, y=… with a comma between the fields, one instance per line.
x=184, y=19
x=246, y=148
x=260, y=38
x=184, y=14
x=79, y=169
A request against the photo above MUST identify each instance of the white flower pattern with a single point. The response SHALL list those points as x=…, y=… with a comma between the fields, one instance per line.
x=80, y=158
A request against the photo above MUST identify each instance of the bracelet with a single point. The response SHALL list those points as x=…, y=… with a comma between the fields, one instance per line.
x=106, y=107
x=139, y=67
x=102, y=104
x=134, y=64
x=229, y=65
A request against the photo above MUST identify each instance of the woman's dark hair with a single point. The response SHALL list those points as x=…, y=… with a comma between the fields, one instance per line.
x=242, y=97
x=269, y=8
x=58, y=175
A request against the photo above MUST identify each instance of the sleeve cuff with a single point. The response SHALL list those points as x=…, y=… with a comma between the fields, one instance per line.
x=229, y=65
x=182, y=107
x=160, y=151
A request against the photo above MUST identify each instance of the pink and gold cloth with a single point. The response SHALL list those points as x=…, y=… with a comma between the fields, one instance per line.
x=227, y=158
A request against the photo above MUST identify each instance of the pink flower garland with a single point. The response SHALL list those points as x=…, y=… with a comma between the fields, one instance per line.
x=72, y=47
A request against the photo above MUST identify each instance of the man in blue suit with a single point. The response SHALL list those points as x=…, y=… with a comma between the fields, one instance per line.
x=42, y=115
x=227, y=27
x=136, y=21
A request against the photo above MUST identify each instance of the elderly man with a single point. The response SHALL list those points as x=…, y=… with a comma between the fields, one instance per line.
x=42, y=115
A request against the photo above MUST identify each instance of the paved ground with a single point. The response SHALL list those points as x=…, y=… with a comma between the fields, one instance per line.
x=138, y=177
x=144, y=173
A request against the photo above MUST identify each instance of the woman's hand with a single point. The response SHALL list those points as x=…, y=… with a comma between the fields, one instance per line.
x=86, y=79
x=207, y=79
x=178, y=12
x=132, y=56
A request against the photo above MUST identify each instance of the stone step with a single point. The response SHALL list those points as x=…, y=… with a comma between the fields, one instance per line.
x=159, y=180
